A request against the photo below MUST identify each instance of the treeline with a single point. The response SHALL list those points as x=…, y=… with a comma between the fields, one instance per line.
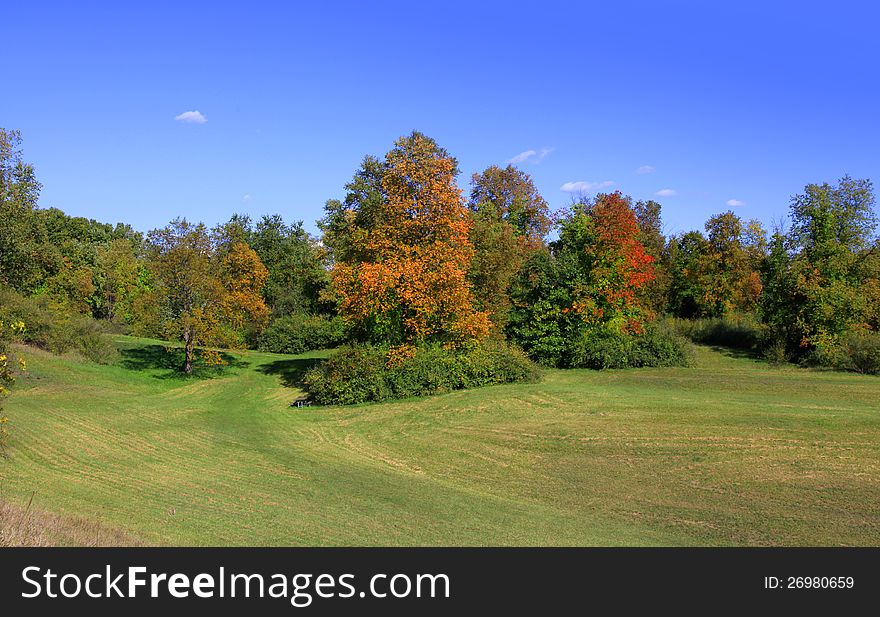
x=406, y=268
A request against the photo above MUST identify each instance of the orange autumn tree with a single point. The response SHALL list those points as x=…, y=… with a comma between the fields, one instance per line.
x=403, y=275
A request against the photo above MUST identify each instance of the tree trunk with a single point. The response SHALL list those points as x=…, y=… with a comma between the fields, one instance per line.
x=188, y=352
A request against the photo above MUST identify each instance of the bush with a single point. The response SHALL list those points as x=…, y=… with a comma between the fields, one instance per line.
x=735, y=331
x=600, y=349
x=857, y=350
x=299, y=333
x=360, y=374
x=56, y=328
x=862, y=351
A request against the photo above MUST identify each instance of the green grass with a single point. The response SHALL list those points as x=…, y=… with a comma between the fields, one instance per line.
x=731, y=452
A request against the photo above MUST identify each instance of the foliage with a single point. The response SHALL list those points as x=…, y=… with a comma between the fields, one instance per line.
x=510, y=220
x=510, y=195
x=298, y=333
x=603, y=349
x=861, y=352
x=717, y=274
x=56, y=328
x=122, y=278
x=291, y=256
x=360, y=374
x=22, y=238
x=541, y=320
x=591, y=279
x=403, y=272
x=822, y=277
x=9, y=331
x=207, y=294
x=616, y=265
x=653, y=294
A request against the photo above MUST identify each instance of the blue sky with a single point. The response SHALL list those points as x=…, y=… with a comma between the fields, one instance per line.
x=710, y=101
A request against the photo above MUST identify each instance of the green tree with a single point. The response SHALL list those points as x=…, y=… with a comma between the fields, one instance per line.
x=297, y=275
x=508, y=194
x=510, y=220
x=122, y=275
x=23, y=240
x=822, y=274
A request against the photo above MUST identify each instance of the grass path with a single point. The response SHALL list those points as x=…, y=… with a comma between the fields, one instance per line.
x=731, y=452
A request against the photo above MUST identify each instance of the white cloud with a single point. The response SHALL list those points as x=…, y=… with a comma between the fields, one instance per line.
x=733, y=203
x=666, y=193
x=192, y=117
x=530, y=156
x=247, y=198
x=585, y=187
x=522, y=157
x=645, y=169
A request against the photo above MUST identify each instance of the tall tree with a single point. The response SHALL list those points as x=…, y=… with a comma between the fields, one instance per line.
x=23, y=242
x=205, y=295
x=823, y=275
x=617, y=264
x=401, y=271
x=728, y=269
x=510, y=222
x=122, y=275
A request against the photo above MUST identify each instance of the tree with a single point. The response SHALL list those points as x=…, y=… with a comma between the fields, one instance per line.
x=728, y=268
x=122, y=276
x=205, y=296
x=654, y=294
x=23, y=260
x=296, y=272
x=402, y=252
x=683, y=254
x=716, y=274
x=616, y=261
x=510, y=195
x=591, y=281
x=822, y=276
x=510, y=220
x=346, y=222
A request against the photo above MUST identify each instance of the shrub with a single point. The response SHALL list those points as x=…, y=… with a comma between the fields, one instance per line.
x=862, y=352
x=299, y=333
x=359, y=374
x=776, y=352
x=601, y=349
x=857, y=350
x=57, y=329
x=736, y=331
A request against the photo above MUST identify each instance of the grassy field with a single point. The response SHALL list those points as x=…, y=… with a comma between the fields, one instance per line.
x=731, y=452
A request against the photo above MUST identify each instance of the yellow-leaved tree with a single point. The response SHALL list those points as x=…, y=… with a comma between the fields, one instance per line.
x=206, y=292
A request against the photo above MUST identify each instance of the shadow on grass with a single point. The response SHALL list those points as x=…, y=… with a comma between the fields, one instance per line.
x=291, y=371
x=737, y=352
x=169, y=362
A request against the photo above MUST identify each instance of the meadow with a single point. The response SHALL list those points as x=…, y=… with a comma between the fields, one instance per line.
x=731, y=451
